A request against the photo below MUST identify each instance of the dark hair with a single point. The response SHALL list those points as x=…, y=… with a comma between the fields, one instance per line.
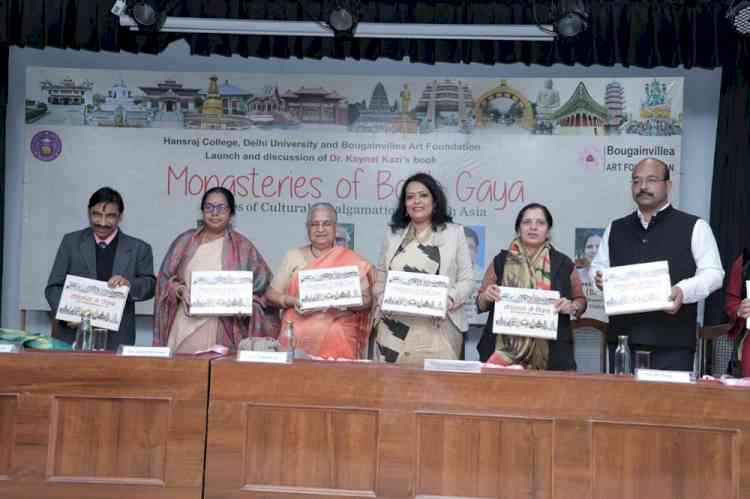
x=655, y=160
x=531, y=206
x=220, y=190
x=107, y=195
x=593, y=232
x=471, y=234
x=440, y=216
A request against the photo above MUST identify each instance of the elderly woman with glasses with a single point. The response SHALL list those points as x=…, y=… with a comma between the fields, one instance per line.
x=330, y=333
x=213, y=246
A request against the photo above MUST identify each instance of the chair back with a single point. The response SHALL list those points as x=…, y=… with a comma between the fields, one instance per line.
x=590, y=345
x=721, y=348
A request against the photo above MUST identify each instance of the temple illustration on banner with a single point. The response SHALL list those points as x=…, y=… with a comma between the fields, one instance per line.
x=419, y=107
x=446, y=103
x=120, y=109
x=377, y=116
x=67, y=92
x=66, y=98
x=614, y=100
x=212, y=115
x=316, y=105
x=655, y=113
x=581, y=110
x=169, y=101
x=506, y=108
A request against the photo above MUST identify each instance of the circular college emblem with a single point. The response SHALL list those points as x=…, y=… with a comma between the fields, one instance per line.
x=46, y=146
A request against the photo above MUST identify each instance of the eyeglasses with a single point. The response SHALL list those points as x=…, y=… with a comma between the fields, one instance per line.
x=318, y=225
x=636, y=181
x=214, y=208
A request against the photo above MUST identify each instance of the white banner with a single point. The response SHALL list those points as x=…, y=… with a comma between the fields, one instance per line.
x=282, y=142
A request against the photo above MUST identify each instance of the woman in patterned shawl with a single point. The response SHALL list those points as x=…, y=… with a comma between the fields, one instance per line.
x=331, y=333
x=422, y=239
x=214, y=246
x=532, y=262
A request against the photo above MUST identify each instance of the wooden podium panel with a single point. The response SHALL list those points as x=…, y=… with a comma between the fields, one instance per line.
x=352, y=430
x=100, y=426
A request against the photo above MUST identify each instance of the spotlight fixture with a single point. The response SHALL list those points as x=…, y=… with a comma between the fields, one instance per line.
x=343, y=17
x=739, y=15
x=571, y=18
x=149, y=15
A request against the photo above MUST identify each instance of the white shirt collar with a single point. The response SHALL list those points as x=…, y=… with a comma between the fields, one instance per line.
x=644, y=223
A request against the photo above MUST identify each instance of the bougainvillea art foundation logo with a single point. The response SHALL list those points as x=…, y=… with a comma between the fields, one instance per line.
x=591, y=159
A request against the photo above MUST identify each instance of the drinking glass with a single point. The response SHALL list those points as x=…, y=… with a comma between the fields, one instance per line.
x=99, y=339
x=642, y=359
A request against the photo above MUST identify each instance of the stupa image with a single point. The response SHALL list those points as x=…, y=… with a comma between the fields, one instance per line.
x=445, y=103
x=212, y=115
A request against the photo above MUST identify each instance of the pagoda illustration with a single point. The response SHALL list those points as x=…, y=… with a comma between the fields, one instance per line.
x=581, y=110
x=614, y=100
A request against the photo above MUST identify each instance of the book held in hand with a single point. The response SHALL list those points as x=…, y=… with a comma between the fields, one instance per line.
x=643, y=287
x=526, y=312
x=82, y=295
x=332, y=287
x=221, y=292
x=414, y=293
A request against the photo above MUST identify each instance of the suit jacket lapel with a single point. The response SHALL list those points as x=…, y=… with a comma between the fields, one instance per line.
x=88, y=252
x=122, y=255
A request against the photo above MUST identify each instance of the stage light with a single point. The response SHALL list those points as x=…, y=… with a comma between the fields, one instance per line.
x=571, y=18
x=149, y=15
x=343, y=17
x=739, y=16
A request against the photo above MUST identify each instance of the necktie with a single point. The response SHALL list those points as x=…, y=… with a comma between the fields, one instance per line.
x=103, y=245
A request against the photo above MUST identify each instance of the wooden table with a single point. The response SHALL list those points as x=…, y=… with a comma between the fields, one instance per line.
x=99, y=426
x=345, y=430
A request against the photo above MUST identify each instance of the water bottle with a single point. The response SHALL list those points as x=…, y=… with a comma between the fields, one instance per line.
x=290, y=341
x=622, y=356
x=83, y=334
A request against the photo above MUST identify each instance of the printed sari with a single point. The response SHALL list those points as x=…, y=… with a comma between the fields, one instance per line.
x=331, y=333
x=238, y=253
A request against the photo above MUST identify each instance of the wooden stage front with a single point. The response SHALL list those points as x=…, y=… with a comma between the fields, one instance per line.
x=88, y=426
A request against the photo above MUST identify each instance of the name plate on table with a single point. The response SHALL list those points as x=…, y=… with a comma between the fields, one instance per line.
x=82, y=295
x=221, y=292
x=643, y=287
x=133, y=351
x=526, y=312
x=331, y=287
x=9, y=348
x=256, y=356
x=453, y=366
x=663, y=376
x=413, y=293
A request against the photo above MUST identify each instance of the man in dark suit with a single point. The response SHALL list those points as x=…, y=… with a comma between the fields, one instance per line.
x=105, y=253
